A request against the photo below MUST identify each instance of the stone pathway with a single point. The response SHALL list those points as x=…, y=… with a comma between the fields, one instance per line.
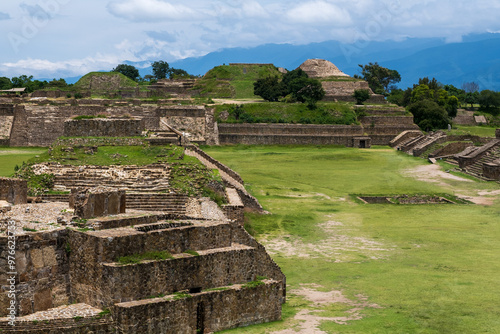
x=61, y=312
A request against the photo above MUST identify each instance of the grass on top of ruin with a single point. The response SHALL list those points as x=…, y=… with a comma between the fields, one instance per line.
x=279, y=112
x=15, y=156
x=65, y=153
x=403, y=269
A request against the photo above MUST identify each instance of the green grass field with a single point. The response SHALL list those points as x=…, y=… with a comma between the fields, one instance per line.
x=403, y=269
x=12, y=156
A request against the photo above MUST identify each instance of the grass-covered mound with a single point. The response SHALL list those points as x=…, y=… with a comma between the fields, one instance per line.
x=104, y=82
x=233, y=81
x=277, y=112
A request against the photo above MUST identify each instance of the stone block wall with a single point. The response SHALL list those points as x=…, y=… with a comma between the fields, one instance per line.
x=386, y=120
x=14, y=191
x=97, y=202
x=492, y=170
x=450, y=149
x=211, y=269
x=204, y=312
x=217, y=163
x=42, y=267
x=103, y=127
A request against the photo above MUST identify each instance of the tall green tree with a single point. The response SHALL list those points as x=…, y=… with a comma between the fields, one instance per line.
x=161, y=69
x=429, y=115
x=269, y=88
x=127, y=70
x=5, y=83
x=380, y=79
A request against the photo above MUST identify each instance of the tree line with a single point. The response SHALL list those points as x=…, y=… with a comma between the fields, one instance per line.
x=161, y=70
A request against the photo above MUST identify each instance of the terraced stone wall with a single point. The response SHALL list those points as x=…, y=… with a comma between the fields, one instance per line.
x=39, y=124
x=204, y=312
x=42, y=266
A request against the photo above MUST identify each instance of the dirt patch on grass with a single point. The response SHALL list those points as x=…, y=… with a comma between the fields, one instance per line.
x=336, y=247
x=432, y=173
x=310, y=319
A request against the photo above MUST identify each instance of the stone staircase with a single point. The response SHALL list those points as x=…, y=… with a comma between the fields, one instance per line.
x=174, y=204
x=476, y=169
x=163, y=137
x=418, y=145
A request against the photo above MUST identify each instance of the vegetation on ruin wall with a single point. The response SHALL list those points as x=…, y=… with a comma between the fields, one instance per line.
x=430, y=269
x=233, y=81
x=481, y=131
x=276, y=112
x=187, y=176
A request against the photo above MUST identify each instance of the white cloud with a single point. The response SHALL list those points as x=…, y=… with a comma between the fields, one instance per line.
x=4, y=16
x=151, y=10
x=319, y=12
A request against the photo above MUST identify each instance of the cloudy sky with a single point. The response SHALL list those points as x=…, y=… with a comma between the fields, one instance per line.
x=61, y=38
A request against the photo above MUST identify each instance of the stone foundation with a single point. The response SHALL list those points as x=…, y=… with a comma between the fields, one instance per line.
x=14, y=191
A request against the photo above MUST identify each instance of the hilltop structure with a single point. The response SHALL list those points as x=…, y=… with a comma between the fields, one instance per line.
x=338, y=86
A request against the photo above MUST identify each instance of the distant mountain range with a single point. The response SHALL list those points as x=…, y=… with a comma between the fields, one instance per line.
x=476, y=58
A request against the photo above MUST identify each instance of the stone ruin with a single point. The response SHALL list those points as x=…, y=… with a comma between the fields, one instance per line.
x=338, y=86
x=104, y=127
x=97, y=202
x=13, y=191
x=138, y=271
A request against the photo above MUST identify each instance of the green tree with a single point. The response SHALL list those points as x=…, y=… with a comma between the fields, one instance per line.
x=269, y=88
x=161, y=69
x=290, y=76
x=429, y=115
x=489, y=101
x=379, y=78
x=24, y=81
x=361, y=95
x=471, y=98
x=177, y=73
x=57, y=83
x=306, y=90
x=127, y=70
x=5, y=83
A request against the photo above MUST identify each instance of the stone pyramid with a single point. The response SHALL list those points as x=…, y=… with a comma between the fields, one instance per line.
x=320, y=68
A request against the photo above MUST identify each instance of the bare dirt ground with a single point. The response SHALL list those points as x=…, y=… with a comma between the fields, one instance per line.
x=433, y=173
x=337, y=247
x=310, y=319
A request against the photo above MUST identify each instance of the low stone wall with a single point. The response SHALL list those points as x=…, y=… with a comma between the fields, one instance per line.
x=204, y=312
x=387, y=120
x=103, y=127
x=284, y=140
x=475, y=139
x=464, y=120
x=450, y=149
x=290, y=129
x=6, y=109
x=492, y=170
x=42, y=267
x=14, y=191
x=97, y=202
x=221, y=166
